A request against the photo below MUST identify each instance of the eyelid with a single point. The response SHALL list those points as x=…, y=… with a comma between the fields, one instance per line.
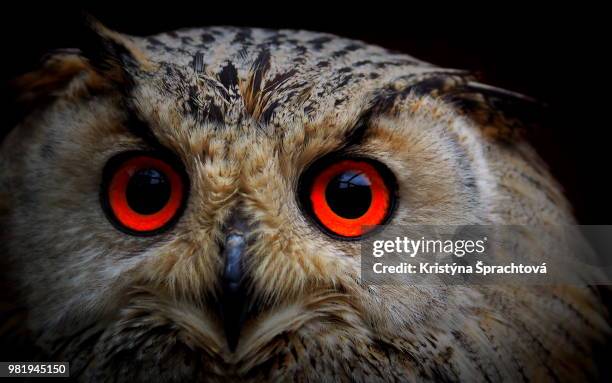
x=116, y=161
x=310, y=174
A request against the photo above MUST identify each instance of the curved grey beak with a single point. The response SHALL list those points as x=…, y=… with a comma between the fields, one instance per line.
x=233, y=299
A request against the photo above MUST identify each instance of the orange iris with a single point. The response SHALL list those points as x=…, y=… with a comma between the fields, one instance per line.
x=145, y=193
x=348, y=196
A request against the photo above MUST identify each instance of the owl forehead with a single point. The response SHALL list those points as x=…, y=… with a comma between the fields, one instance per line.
x=228, y=75
x=288, y=48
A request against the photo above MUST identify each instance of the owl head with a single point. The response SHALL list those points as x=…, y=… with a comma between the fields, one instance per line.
x=192, y=205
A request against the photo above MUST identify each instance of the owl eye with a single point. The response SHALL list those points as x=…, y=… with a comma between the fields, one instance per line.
x=142, y=194
x=346, y=196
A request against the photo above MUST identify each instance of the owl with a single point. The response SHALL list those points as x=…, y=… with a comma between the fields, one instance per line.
x=191, y=206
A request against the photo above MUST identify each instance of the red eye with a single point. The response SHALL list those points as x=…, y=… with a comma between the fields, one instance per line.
x=143, y=194
x=347, y=195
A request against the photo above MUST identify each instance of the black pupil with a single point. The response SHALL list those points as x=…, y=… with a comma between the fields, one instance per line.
x=349, y=194
x=148, y=191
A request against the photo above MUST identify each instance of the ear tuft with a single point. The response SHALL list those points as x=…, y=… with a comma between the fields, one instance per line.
x=114, y=54
x=63, y=73
x=106, y=60
x=503, y=115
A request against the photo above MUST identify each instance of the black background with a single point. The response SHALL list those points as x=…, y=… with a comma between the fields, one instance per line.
x=558, y=55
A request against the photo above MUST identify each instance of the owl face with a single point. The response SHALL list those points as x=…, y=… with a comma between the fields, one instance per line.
x=197, y=200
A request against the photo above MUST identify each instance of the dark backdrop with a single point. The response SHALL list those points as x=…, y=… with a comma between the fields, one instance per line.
x=557, y=55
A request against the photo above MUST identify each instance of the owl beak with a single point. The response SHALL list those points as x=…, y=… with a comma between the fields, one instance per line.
x=233, y=303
